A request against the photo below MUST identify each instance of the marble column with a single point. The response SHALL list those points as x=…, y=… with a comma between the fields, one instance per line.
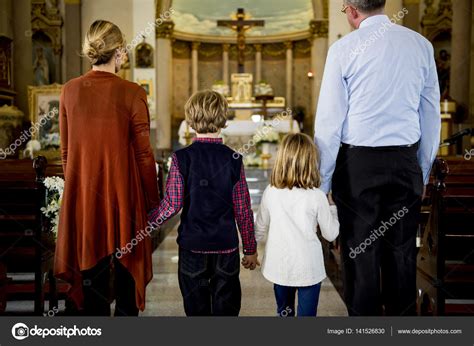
x=289, y=73
x=164, y=94
x=225, y=63
x=319, y=48
x=22, y=53
x=461, y=52
x=258, y=63
x=194, y=67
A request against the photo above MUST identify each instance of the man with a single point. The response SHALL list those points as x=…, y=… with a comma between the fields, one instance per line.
x=378, y=128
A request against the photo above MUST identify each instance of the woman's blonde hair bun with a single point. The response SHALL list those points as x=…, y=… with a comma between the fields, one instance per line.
x=102, y=40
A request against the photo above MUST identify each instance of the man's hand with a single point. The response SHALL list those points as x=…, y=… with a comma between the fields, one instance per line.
x=330, y=200
x=250, y=261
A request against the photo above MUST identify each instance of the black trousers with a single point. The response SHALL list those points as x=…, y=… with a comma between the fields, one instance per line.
x=378, y=195
x=210, y=283
x=98, y=284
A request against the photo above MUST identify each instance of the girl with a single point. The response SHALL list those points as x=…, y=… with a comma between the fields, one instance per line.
x=292, y=207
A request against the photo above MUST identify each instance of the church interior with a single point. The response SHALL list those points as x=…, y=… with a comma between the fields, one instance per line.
x=267, y=58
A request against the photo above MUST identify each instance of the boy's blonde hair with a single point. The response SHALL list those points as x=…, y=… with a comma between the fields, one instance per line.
x=206, y=111
x=296, y=163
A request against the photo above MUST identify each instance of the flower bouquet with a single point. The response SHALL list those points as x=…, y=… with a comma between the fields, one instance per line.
x=54, y=194
x=267, y=140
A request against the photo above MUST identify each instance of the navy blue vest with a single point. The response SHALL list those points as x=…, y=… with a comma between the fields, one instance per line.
x=210, y=172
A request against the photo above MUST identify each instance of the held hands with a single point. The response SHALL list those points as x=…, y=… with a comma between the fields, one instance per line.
x=250, y=261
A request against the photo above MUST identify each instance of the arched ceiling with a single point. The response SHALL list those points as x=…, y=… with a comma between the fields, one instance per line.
x=281, y=16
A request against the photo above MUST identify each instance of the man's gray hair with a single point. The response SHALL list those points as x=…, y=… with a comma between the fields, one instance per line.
x=367, y=6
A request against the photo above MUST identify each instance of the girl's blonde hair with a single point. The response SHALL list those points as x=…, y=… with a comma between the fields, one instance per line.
x=102, y=40
x=296, y=163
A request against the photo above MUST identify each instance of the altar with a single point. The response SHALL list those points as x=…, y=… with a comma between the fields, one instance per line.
x=241, y=131
x=257, y=141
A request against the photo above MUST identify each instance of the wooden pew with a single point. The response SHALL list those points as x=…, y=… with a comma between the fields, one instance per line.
x=445, y=263
x=24, y=246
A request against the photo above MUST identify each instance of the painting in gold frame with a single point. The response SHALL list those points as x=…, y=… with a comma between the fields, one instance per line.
x=147, y=84
x=44, y=116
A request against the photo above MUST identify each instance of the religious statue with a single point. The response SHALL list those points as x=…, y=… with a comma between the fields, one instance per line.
x=41, y=68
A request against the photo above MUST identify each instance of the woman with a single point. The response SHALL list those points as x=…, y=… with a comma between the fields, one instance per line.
x=110, y=181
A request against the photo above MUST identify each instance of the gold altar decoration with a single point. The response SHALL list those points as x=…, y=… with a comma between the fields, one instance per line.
x=165, y=29
x=437, y=21
x=241, y=87
x=209, y=51
x=319, y=28
x=302, y=48
x=448, y=108
x=45, y=17
x=181, y=49
x=274, y=50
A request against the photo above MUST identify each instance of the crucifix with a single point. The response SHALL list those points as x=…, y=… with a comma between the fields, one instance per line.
x=240, y=25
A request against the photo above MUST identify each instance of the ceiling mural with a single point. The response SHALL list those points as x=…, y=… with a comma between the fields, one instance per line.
x=281, y=16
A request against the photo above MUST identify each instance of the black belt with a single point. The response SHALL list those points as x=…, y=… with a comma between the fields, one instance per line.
x=389, y=147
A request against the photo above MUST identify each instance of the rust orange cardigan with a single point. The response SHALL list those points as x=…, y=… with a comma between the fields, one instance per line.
x=110, y=178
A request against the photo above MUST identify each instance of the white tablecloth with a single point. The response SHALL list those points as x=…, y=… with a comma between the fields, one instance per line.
x=244, y=128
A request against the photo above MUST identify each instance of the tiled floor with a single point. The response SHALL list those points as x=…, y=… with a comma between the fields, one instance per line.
x=164, y=297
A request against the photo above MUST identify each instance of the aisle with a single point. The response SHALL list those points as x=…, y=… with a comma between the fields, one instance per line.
x=164, y=297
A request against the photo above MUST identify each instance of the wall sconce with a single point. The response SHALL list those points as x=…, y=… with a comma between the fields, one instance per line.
x=310, y=75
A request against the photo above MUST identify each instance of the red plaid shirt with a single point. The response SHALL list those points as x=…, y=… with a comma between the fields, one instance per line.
x=174, y=196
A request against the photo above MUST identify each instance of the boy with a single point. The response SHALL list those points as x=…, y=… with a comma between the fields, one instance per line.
x=207, y=180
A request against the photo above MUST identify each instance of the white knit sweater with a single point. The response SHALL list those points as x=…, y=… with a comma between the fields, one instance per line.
x=293, y=254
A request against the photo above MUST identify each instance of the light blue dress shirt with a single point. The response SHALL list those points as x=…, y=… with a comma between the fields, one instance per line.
x=380, y=88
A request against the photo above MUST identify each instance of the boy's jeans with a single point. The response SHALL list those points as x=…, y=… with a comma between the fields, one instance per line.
x=308, y=298
x=210, y=283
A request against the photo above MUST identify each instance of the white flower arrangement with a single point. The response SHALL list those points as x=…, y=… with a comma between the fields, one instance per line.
x=266, y=134
x=54, y=194
x=220, y=87
x=263, y=88
x=252, y=160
